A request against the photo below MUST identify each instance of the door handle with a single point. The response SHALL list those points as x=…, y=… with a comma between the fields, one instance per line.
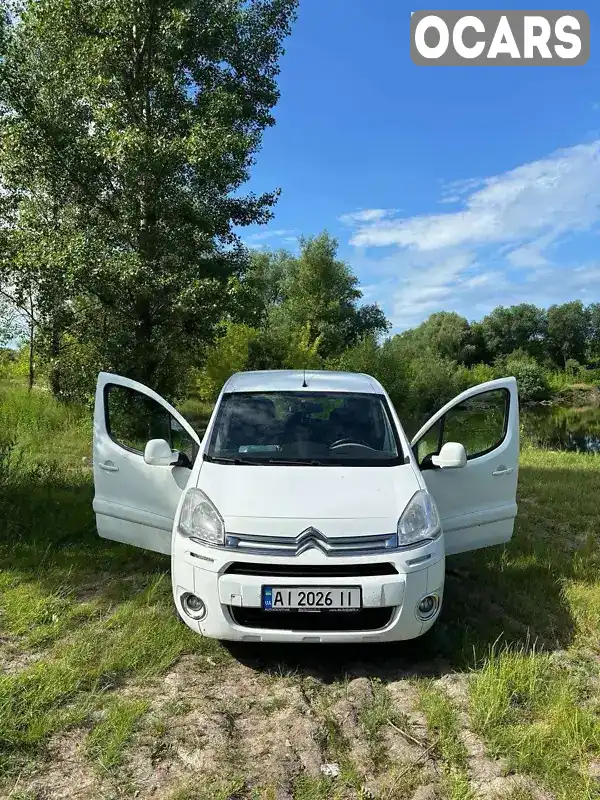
x=503, y=471
x=108, y=466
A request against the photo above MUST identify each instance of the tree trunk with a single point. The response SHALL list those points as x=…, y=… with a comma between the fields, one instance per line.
x=57, y=322
x=31, y=362
x=55, y=383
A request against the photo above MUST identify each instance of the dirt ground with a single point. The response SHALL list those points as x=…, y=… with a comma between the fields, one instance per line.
x=261, y=728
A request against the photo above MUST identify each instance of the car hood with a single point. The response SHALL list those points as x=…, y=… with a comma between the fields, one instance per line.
x=282, y=500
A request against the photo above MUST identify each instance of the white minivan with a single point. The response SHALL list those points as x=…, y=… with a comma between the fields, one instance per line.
x=304, y=514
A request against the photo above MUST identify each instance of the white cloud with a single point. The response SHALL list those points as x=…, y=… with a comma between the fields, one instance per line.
x=556, y=194
x=367, y=215
x=427, y=283
x=498, y=247
x=262, y=236
x=475, y=293
x=530, y=255
x=455, y=191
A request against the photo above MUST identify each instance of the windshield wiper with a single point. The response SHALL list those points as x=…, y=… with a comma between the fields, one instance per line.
x=227, y=460
x=306, y=462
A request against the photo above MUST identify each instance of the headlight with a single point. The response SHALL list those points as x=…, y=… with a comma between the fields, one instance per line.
x=420, y=520
x=199, y=519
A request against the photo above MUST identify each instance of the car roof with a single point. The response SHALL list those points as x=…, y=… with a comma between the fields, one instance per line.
x=291, y=380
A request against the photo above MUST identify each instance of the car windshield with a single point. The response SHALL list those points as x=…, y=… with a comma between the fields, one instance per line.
x=304, y=428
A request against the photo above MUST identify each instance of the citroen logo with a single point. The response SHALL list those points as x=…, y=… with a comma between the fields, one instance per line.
x=311, y=538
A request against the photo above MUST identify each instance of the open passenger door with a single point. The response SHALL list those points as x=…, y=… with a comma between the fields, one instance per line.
x=476, y=501
x=135, y=501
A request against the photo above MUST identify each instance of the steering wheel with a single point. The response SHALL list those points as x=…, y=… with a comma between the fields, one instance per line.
x=357, y=442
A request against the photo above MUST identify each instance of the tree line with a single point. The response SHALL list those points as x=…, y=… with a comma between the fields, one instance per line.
x=308, y=314
x=127, y=135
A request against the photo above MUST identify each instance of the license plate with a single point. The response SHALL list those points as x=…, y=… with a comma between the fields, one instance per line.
x=311, y=598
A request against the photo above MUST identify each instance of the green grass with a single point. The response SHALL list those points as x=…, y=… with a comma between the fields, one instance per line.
x=443, y=722
x=538, y=713
x=40, y=617
x=308, y=788
x=108, y=738
x=93, y=613
x=586, y=380
x=375, y=715
x=543, y=587
x=214, y=789
x=35, y=419
x=84, y=621
x=140, y=637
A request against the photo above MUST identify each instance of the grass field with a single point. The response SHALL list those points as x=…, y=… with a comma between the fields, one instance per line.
x=103, y=694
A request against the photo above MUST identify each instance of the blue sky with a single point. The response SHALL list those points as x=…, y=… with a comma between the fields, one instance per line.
x=448, y=188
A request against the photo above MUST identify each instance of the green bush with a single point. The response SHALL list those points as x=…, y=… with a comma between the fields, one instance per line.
x=433, y=381
x=230, y=354
x=531, y=377
x=481, y=373
x=572, y=367
x=243, y=348
x=417, y=386
x=558, y=380
x=590, y=376
x=382, y=363
x=302, y=350
x=14, y=364
x=77, y=368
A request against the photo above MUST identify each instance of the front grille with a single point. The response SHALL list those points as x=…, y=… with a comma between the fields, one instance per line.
x=311, y=538
x=310, y=570
x=367, y=619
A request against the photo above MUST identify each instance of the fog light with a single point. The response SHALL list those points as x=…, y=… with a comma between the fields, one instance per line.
x=428, y=606
x=193, y=606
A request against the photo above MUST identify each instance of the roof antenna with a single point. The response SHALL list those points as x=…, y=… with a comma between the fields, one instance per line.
x=304, y=383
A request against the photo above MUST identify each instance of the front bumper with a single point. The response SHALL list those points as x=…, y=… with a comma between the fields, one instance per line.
x=233, y=600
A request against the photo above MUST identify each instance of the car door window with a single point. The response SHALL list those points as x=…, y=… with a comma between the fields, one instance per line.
x=133, y=418
x=479, y=423
x=180, y=440
x=429, y=444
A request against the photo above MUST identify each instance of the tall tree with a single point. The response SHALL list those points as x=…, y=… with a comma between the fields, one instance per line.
x=443, y=335
x=138, y=125
x=320, y=293
x=263, y=287
x=448, y=335
x=521, y=327
x=568, y=328
x=594, y=331
x=39, y=249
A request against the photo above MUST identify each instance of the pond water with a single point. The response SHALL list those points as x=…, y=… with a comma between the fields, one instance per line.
x=557, y=428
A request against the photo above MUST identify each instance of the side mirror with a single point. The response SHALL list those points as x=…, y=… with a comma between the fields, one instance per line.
x=158, y=453
x=452, y=456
